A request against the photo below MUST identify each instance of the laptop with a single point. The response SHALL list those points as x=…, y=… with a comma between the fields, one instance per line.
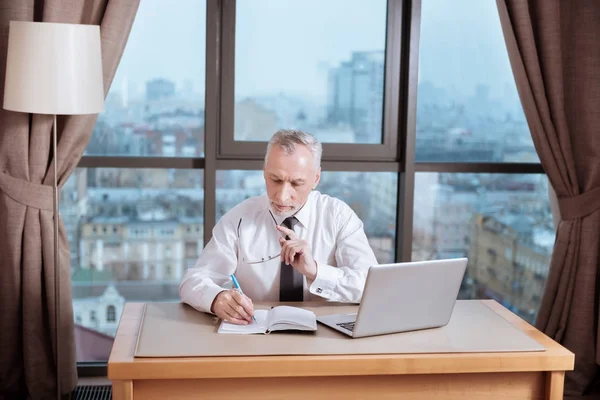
x=403, y=297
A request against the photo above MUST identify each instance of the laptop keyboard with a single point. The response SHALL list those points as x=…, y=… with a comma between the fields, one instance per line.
x=347, y=325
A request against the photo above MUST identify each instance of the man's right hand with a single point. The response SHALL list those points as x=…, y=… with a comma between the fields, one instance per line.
x=233, y=306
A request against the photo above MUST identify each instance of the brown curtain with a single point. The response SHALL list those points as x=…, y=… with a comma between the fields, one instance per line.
x=26, y=218
x=554, y=50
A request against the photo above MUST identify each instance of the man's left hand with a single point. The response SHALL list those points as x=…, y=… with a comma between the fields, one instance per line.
x=297, y=253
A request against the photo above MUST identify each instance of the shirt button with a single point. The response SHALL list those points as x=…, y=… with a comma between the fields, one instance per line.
x=319, y=290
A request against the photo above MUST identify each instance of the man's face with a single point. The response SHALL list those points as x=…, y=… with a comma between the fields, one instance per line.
x=289, y=179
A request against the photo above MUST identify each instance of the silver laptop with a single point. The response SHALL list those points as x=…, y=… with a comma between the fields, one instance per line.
x=403, y=297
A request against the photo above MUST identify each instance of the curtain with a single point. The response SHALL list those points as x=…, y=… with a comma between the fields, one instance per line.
x=554, y=50
x=26, y=218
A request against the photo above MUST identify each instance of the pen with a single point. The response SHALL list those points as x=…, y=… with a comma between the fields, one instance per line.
x=237, y=286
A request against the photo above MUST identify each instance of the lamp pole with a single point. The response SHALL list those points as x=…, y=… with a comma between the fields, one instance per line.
x=56, y=264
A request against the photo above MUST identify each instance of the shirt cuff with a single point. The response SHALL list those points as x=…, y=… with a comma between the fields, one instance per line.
x=326, y=280
x=208, y=296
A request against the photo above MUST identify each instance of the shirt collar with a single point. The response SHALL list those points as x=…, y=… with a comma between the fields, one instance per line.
x=303, y=215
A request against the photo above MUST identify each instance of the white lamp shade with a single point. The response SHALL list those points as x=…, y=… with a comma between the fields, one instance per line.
x=54, y=69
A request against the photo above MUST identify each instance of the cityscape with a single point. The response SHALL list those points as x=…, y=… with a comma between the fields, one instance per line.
x=133, y=232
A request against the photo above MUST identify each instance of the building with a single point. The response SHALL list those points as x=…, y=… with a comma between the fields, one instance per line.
x=356, y=95
x=141, y=249
x=253, y=121
x=72, y=208
x=98, y=313
x=159, y=89
x=97, y=309
x=506, y=266
x=445, y=203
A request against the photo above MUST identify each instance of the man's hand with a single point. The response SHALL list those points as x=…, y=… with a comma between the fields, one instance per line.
x=297, y=253
x=233, y=306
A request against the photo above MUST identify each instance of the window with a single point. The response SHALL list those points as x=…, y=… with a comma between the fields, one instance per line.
x=504, y=210
x=437, y=161
x=111, y=314
x=191, y=250
x=155, y=106
x=468, y=107
x=140, y=203
x=476, y=165
x=326, y=79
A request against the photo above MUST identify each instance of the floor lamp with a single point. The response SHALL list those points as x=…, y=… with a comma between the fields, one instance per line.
x=54, y=69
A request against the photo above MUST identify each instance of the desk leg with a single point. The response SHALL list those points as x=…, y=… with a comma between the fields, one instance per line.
x=555, y=385
x=122, y=390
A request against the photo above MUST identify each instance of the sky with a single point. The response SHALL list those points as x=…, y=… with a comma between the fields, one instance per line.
x=289, y=45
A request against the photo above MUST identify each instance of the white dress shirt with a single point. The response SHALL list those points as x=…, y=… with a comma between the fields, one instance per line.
x=246, y=236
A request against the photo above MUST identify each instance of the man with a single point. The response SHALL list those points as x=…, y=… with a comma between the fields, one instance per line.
x=291, y=244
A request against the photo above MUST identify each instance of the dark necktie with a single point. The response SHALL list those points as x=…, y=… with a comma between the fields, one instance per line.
x=290, y=280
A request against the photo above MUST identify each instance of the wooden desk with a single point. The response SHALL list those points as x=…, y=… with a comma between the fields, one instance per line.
x=527, y=375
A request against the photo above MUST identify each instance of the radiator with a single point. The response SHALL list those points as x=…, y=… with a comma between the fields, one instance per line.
x=92, y=393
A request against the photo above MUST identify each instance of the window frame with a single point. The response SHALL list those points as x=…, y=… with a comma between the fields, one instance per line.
x=228, y=147
x=111, y=313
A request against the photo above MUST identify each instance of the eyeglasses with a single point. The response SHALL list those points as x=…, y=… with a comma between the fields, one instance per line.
x=262, y=259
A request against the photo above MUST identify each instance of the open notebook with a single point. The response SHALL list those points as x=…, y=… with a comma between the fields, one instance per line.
x=276, y=319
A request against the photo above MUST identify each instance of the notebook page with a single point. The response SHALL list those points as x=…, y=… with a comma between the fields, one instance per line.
x=292, y=316
x=260, y=326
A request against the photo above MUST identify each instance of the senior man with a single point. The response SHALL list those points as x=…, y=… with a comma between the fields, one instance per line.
x=292, y=244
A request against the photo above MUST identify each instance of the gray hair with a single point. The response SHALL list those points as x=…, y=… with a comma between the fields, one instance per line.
x=287, y=139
